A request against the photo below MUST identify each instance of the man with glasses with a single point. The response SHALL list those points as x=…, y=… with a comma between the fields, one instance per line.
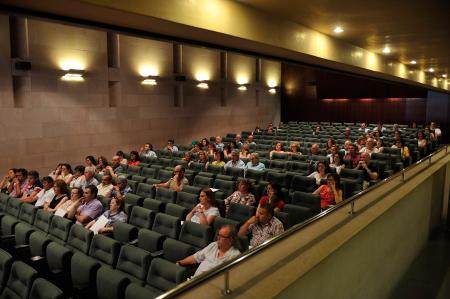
x=235, y=161
x=105, y=187
x=89, y=207
x=215, y=253
x=262, y=226
x=254, y=163
x=177, y=182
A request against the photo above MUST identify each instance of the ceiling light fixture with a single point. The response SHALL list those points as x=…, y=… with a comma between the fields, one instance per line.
x=386, y=50
x=431, y=70
x=273, y=90
x=338, y=29
x=444, y=75
x=413, y=62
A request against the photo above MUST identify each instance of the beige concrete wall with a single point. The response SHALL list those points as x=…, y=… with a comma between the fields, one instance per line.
x=64, y=121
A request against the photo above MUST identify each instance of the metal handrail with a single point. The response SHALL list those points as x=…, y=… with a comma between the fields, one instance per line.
x=245, y=255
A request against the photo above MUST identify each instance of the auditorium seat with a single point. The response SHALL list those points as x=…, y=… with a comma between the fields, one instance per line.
x=307, y=200
x=192, y=189
x=6, y=261
x=132, y=200
x=140, y=218
x=20, y=280
x=234, y=172
x=215, y=169
x=11, y=217
x=195, y=234
x=226, y=188
x=43, y=289
x=302, y=183
x=133, y=170
x=239, y=212
x=203, y=182
x=167, y=225
x=149, y=173
x=150, y=241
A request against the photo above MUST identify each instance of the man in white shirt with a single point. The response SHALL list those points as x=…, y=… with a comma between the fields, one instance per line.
x=46, y=194
x=105, y=187
x=235, y=161
x=215, y=253
x=89, y=178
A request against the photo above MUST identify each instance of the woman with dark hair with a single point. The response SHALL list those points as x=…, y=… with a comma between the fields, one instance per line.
x=135, y=160
x=204, y=144
x=329, y=145
x=102, y=164
x=121, y=155
x=379, y=145
x=202, y=157
x=404, y=151
x=242, y=195
x=278, y=149
x=57, y=172
x=422, y=144
x=114, y=214
x=218, y=160
x=331, y=193
x=272, y=197
x=321, y=172
x=206, y=211
x=90, y=161
x=245, y=151
x=229, y=149
x=211, y=149
x=338, y=162
x=66, y=173
x=61, y=195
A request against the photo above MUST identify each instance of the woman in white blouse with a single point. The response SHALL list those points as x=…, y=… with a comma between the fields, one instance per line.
x=206, y=211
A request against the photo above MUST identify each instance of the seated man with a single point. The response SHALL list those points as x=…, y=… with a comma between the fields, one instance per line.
x=314, y=149
x=235, y=161
x=105, y=187
x=219, y=145
x=147, y=151
x=262, y=226
x=177, y=182
x=370, y=147
x=34, y=186
x=44, y=195
x=368, y=168
x=254, y=163
x=115, y=168
x=250, y=140
x=89, y=207
x=121, y=189
x=352, y=158
x=215, y=253
x=89, y=178
x=171, y=147
x=78, y=177
x=19, y=184
x=238, y=140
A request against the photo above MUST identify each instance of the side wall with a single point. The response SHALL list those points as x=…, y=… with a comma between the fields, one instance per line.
x=59, y=121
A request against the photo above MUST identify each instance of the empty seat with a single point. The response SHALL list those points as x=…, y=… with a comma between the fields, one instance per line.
x=43, y=289
x=226, y=188
x=234, y=172
x=145, y=191
x=203, y=182
x=140, y=218
x=278, y=165
x=167, y=225
x=187, y=200
x=215, y=169
x=6, y=261
x=58, y=232
x=133, y=170
x=165, y=175
x=149, y=240
x=302, y=183
x=240, y=213
x=257, y=175
x=176, y=211
x=195, y=234
x=24, y=230
x=166, y=195
x=302, y=168
x=192, y=189
x=11, y=218
x=307, y=200
x=297, y=214
x=149, y=173
x=20, y=280
x=281, y=179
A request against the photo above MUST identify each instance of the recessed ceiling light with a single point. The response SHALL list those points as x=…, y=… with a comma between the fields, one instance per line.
x=386, y=50
x=444, y=76
x=431, y=70
x=338, y=29
x=413, y=62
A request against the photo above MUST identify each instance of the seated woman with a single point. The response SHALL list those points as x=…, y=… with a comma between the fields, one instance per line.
x=295, y=150
x=404, y=152
x=218, y=160
x=135, y=160
x=61, y=195
x=422, y=144
x=7, y=180
x=241, y=196
x=329, y=145
x=244, y=152
x=90, y=161
x=338, y=162
x=121, y=155
x=202, y=157
x=272, y=197
x=379, y=145
x=66, y=173
x=228, y=149
x=331, y=193
x=320, y=173
x=211, y=149
x=196, y=149
x=70, y=206
x=57, y=172
x=102, y=164
x=204, y=144
x=278, y=149
x=206, y=211
x=114, y=214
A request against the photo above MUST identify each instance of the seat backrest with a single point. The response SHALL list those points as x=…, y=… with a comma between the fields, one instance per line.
x=226, y=187
x=302, y=183
x=80, y=238
x=352, y=174
x=20, y=280
x=27, y=213
x=134, y=261
x=308, y=200
x=187, y=200
x=234, y=172
x=145, y=190
x=59, y=228
x=141, y=217
x=216, y=169
x=279, y=178
x=42, y=220
x=165, y=175
x=150, y=240
x=256, y=175
x=149, y=172
x=104, y=249
x=175, y=250
x=203, y=182
x=43, y=289
x=6, y=261
x=195, y=234
x=192, y=189
x=165, y=275
x=134, y=170
x=240, y=212
x=13, y=207
x=167, y=225
x=166, y=195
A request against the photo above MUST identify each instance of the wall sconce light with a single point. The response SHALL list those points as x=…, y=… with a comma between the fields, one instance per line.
x=242, y=87
x=203, y=85
x=273, y=90
x=150, y=80
x=73, y=75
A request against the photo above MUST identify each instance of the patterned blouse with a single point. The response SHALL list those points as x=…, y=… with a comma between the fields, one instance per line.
x=113, y=218
x=262, y=232
x=238, y=197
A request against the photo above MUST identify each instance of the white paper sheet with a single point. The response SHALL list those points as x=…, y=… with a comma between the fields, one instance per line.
x=100, y=223
x=60, y=212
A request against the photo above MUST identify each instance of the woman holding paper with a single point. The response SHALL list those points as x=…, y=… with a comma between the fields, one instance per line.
x=109, y=217
x=69, y=207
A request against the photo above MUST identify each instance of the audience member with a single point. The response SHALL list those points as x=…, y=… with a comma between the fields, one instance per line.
x=171, y=147
x=379, y=145
x=114, y=214
x=314, y=149
x=88, y=177
x=89, y=207
x=363, y=128
x=90, y=161
x=347, y=133
x=404, y=152
x=369, y=148
x=352, y=157
x=320, y=173
x=19, y=184
x=338, y=162
x=204, y=144
x=332, y=153
x=254, y=163
x=329, y=145
x=250, y=140
x=244, y=152
x=368, y=168
x=105, y=187
x=147, y=151
x=102, y=164
x=218, y=160
x=177, y=182
x=34, y=185
x=123, y=160
x=66, y=173
x=278, y=149
x=61, y=195
x=78, y=177
x=121, y=189
x=206, y=211
x=7, y=180
x=262, y=227
x=235, y=162
x=241, y=196
x=56, y=172
x=215, y=253
x=196, y=149
x=219, y=145
x=331, y=192
x=211, y=149
x=135, y=160
x=45, y=195
x=272, y=197
x=115, y=168
x=70, y=206
x=229, y=148
x=238, y=140
x=295, y=150
x=422, y=144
